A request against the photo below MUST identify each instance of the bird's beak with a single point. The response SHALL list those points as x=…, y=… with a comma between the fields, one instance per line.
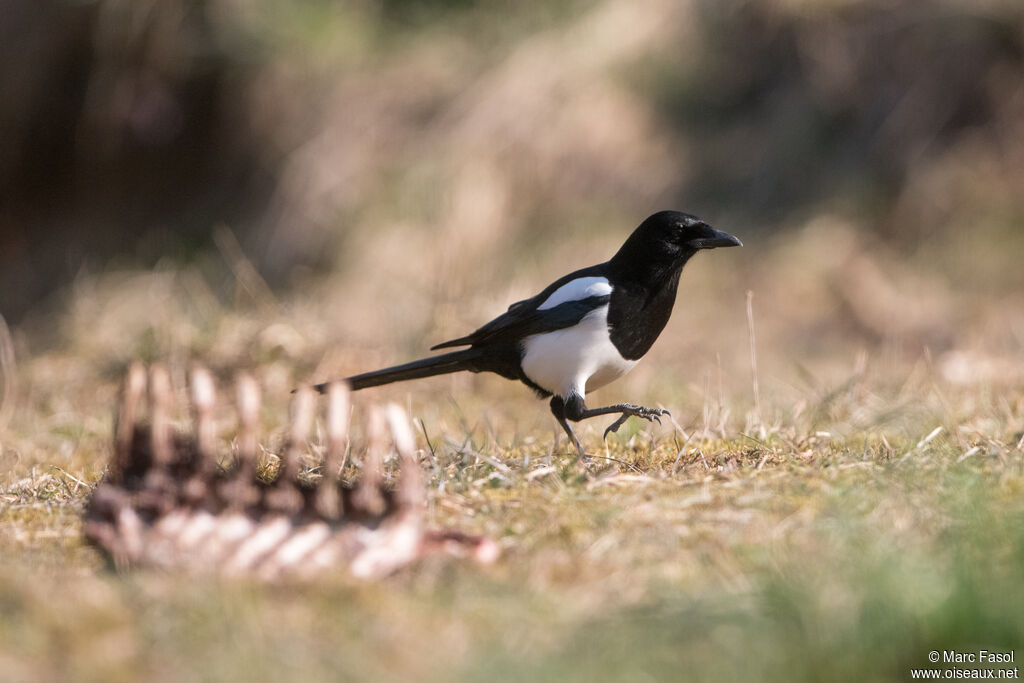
x=719, y=239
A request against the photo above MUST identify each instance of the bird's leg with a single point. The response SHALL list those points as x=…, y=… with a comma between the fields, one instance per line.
x=576, y=410
x=558, y=410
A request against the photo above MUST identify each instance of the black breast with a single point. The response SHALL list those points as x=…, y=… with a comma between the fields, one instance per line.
x=637, y=315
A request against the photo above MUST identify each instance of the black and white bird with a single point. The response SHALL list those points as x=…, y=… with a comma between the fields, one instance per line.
x=584, y=330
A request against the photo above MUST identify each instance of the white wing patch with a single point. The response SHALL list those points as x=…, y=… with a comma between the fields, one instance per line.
x=577, y=290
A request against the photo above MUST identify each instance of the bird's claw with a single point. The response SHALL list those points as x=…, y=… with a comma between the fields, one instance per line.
x=614, y=426
x=649, y=414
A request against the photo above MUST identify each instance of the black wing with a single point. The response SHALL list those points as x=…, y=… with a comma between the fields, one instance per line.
x=523, y=319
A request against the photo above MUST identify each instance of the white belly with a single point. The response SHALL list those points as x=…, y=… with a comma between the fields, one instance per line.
x=577, y=359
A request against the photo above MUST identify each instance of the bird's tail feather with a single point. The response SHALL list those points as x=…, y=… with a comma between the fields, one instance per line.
x=425, y=367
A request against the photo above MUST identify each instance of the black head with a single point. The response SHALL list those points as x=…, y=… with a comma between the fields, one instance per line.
x=685, y=232
x=670, y=238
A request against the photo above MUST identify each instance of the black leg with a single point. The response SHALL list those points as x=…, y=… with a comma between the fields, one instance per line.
x=574, y=409
x=558, y=410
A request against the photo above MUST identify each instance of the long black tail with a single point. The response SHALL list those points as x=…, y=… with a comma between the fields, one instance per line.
x=426, y=367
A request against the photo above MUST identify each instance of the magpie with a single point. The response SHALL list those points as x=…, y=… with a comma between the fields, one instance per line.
x=583, y=330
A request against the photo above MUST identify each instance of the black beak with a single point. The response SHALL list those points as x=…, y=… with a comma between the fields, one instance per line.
x=719, y=239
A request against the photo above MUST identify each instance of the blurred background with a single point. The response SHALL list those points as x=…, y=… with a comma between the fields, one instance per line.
x=317, y=188
x=365, y=178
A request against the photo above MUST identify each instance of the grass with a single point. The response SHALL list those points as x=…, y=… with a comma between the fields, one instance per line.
x=796, y=557
x=873, y=514
x=835, y=512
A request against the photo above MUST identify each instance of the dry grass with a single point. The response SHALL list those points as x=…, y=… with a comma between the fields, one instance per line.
x=867, y=512
x=838, y=494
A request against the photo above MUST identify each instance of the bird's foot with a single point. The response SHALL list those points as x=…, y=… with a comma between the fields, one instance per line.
x=584, y=457
x=628, y=411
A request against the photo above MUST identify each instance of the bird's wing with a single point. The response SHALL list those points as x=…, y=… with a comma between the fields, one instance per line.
x=524, y=321
x=562, y=304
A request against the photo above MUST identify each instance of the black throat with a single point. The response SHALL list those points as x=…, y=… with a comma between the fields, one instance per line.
x=644, y=278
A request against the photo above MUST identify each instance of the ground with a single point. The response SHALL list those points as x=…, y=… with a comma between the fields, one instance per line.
x=863, y=512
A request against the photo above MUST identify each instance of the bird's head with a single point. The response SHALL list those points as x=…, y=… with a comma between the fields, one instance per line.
x=670, y=238
x=687, y=232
